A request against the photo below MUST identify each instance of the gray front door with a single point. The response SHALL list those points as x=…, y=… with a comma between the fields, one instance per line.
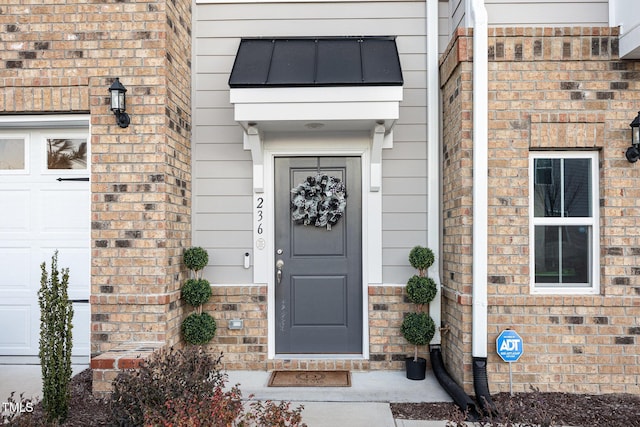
x=319, y=290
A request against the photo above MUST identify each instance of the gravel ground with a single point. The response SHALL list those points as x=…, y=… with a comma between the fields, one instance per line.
x=525, y=409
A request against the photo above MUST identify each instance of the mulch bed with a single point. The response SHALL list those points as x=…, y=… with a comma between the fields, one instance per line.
x=534, y=408
x=555, y=409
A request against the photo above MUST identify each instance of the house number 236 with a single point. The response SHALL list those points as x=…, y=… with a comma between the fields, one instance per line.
x=259, y=214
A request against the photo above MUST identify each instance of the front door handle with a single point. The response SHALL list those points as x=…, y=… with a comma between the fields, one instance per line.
x=279, y=265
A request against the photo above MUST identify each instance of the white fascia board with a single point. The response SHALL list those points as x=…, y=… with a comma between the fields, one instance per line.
x=317, y=111
x=316, y=94
x=630, y=44
x=626, y=15
x=39, y=121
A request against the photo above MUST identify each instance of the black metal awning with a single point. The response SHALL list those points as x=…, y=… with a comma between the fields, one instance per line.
x=316, y=61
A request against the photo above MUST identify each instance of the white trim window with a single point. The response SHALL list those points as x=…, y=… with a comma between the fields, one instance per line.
x=564, y=222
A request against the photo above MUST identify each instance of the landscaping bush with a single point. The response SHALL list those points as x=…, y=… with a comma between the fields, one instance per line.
x=56, y=314
x=421, y=259
x=221, y=409
x=421, y=290
x=167, y=375
x=196, y=258
x=196, y=292
x=187, y=388
x=199, y=328
x=418, y=328
x=268, y=414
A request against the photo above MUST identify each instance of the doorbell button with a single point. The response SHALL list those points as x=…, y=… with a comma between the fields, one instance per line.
x=247, y=260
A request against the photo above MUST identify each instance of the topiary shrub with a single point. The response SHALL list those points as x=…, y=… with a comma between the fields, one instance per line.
x=196, y=292
x=421, y=259
x=418, y=328
x=56, y=314
x=198, y=328
x=421, y=290
x=196, y=259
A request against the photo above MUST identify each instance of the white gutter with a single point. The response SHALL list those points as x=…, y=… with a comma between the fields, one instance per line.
x=478, y=20
x=433, y=160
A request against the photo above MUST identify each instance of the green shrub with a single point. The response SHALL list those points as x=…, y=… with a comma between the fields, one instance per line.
x=421, y=290
x=196, y=258
x=56, y=314
x=196, y=292
x=418, y=328
x=421, y=259
x=198, y=328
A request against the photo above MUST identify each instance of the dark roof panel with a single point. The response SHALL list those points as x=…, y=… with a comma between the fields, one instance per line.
x=376, y=67
x=314, y=61
x=292, y=62
x=339, y=62
x=252, y=61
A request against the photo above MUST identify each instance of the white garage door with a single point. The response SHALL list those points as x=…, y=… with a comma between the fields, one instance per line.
x=45, y=205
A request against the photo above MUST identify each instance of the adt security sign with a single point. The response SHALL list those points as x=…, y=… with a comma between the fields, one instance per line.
x=509, y=345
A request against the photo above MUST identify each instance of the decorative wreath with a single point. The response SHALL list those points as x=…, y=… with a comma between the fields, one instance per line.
x=319, y=200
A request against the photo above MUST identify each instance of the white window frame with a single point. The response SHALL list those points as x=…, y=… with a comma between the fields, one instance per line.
x=593, y=222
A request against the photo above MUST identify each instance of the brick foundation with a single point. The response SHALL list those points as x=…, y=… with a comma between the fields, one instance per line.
x=108, y=365
x=247, y=348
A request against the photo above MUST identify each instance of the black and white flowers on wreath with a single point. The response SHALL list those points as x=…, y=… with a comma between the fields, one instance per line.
x=319, y=200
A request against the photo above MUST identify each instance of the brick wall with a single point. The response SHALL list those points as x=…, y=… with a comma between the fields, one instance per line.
x=242, y=348
x=549, y=88
x=457, y=204
x=46, y=55
x=61, y=57
x=247, y=348
x=141, y=177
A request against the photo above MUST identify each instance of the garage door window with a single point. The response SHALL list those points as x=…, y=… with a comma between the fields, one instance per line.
x=13, y=155
x=66, y=153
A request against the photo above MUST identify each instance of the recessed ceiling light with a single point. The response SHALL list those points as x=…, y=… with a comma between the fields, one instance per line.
x=314, y=125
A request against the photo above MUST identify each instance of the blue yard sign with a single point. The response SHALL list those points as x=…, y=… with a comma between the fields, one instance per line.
x=509, y=345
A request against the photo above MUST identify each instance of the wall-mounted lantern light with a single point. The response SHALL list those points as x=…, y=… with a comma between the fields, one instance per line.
x=633, y=152
x=118, y=103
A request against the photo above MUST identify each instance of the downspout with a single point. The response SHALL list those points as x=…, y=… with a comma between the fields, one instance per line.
x=434, y=210
x=433, y=161
x=479, y=22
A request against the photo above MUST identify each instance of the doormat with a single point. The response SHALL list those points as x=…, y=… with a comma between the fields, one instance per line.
x=310, y=379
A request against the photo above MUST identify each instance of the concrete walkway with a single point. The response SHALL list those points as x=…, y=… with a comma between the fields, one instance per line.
x=364, y=404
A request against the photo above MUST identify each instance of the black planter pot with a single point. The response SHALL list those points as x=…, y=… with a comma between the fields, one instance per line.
x=416, y=370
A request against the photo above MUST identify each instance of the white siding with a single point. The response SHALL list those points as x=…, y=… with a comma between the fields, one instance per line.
x=548, y=13
x=222, y=169
x=531, y=13
x=444, y=27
